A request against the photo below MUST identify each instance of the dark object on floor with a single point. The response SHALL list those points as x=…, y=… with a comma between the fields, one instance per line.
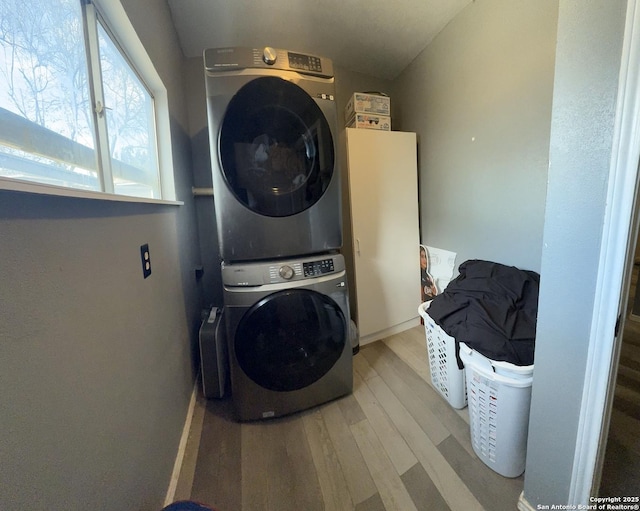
x=492, y=308
x=636, y=298
x=188, y=505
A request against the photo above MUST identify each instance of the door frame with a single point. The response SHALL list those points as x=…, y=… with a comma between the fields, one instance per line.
x=614, y=268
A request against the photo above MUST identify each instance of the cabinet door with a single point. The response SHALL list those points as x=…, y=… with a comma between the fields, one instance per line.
x=383, y=187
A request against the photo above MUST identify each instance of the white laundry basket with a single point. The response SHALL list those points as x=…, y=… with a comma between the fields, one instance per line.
x=499, y=396
x=446, y=377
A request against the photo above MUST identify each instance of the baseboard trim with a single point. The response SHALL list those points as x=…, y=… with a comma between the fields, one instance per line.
x=523, y=504
x=634, y=317
x=177, y=466
x=368, y=339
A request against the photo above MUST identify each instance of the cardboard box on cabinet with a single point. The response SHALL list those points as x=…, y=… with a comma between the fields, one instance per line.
x=367, y=103
x=371, y=122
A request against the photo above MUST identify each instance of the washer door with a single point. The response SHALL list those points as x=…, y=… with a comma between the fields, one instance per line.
x=290, y=339
x=276, y=148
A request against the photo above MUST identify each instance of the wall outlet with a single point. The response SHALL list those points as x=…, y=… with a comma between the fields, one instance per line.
x=146, y=260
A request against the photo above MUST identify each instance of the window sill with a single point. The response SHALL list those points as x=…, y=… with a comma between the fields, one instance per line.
x=16, y=185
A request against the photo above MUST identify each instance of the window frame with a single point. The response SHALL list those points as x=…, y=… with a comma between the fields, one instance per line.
x=114, y=20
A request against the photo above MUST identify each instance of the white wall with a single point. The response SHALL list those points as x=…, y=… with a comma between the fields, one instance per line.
x=585, y=88
x=479, y=97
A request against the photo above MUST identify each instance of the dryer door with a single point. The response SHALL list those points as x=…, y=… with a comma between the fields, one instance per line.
x=290, y=339
x=276, y=148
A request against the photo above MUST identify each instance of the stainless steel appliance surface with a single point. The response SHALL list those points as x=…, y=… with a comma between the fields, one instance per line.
x=273, y=134
x=288, y=334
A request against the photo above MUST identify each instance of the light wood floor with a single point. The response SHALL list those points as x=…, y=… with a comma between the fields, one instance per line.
x=621, y=469
x=394, y=444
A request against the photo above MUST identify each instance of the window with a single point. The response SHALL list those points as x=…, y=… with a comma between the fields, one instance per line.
x=76, y=109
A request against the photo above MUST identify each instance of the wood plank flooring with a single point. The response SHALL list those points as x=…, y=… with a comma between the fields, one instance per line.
x=622, y=458
x=394, y=444
x=621, y=468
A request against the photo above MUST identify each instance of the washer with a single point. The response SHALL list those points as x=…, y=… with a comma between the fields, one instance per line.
x=273, y=134
x=288, y=333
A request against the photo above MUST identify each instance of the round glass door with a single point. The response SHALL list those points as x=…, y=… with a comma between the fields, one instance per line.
x=276, y=148
x=290, y=339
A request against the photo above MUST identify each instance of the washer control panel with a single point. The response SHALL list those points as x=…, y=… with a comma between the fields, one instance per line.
x=256, y=274
x=299, y=270
x=317, y=268
x=285, y=271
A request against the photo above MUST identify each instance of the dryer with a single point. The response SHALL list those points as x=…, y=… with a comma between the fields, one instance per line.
x=273, y=133
x=288, y=334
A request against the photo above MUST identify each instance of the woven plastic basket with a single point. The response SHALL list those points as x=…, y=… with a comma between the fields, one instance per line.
x=499, y=401
x=446, y=378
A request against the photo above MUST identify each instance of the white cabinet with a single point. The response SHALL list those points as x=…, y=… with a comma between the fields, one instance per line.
x=382, y=235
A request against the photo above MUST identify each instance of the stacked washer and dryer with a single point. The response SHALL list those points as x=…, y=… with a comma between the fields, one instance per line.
x=273, y=129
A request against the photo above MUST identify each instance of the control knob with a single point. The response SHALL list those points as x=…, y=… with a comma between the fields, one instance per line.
x=269, y=56
x=286, y=272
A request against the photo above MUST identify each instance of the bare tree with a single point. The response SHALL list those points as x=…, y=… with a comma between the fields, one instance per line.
x=45, y=67
x=44, y=63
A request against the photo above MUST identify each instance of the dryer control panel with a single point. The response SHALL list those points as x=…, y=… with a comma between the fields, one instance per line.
x=230, y=59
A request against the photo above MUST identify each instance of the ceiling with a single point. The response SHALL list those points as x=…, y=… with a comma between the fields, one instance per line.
x=376, y=37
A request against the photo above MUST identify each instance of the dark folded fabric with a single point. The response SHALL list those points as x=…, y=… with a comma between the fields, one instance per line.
x=492, y=308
